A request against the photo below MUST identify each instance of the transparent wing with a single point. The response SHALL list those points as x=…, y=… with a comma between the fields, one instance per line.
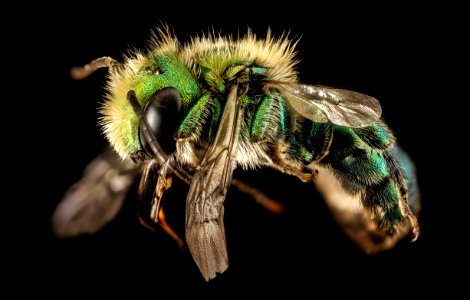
x=97, y=197
x=205, y=233
x=322, y=104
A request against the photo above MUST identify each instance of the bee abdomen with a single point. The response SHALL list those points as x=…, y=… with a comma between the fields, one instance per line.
x=359, y=154
x=377, y=136
x=377, y=177
x=363, y=160
x=361, y=169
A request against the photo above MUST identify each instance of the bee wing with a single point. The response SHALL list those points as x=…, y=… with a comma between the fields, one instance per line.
x=341, y=107
x=205, y=233
x=96, y=198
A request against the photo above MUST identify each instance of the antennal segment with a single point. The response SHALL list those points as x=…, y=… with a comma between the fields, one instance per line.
x=79, y=73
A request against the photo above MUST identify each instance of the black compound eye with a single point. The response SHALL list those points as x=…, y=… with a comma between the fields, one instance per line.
x=161, y=113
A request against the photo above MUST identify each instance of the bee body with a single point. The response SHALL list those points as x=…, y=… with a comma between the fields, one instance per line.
x=202, y=109
x=274, y=135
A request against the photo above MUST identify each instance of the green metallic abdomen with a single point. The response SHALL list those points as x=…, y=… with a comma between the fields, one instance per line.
x=368, y=162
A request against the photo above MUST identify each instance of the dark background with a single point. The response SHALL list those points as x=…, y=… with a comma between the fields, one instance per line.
x=391, y=54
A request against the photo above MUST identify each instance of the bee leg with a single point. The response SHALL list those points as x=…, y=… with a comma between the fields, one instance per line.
x=151, y=194
x=271, y=205
x=146, y=192
x=164, y=225
x=205, y=110
x=264, y=125
x=163, y=183
x=156, y=213
x=146, y=224
x=270, y=129
x=286, y=163
x=161, y=221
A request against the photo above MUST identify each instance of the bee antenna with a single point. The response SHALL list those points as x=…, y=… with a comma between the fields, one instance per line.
x=79, y=73
x=157, y=150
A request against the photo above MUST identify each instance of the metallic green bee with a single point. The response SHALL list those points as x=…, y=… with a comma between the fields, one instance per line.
x=201, y=109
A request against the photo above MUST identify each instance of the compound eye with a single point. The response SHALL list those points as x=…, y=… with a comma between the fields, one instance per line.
x=161, y=113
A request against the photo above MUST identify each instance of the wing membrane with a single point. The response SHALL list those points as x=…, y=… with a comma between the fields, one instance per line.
x=341, y=107
x=205, y=232
x=96, y=198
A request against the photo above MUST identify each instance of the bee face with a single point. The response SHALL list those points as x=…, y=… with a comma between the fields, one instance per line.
x=146, y=75
x=200, y=110
x=164, y=70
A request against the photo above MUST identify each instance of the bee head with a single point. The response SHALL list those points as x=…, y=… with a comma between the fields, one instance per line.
x=163, y=85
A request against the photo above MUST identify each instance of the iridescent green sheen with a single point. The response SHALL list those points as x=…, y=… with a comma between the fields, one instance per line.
x=242, y=106
x=175, y=75
x=193, y=119
x=361, y=158
x=258, y=70
x=262, y=120
x=364, y=166
x=378, y=164
x=387, y=197
x=216, y=111
x=213, y=80
x=167, y=72
x=232, y=71
x=282, y=115
x=269, y=118
x=377, y=135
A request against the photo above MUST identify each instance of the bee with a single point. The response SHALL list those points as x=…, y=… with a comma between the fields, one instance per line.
x=198, y=110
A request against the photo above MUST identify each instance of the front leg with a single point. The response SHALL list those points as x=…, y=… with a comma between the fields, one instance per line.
x=150, y=196
x=206, y=111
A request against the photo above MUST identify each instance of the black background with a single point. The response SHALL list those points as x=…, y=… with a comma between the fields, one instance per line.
x=390, y=53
